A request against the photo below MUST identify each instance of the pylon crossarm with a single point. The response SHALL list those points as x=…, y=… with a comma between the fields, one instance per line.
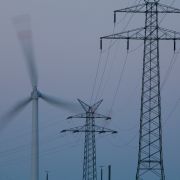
x=75, y=129
x=166, y=34
x=96, y=129
x=100, y=116
x=167, y=9
x=90, y=115
x=141, y=8
x=137, y=34
x=101, y=130
x=83, y=115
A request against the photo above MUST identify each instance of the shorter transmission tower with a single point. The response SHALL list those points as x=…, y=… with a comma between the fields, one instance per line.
x=90, y=129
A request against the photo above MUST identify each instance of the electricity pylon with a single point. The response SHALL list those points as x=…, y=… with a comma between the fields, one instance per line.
x=90, y=129
x=150, y=157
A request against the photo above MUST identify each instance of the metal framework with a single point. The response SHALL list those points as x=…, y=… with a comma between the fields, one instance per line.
x=90, y=129
x=150, y=157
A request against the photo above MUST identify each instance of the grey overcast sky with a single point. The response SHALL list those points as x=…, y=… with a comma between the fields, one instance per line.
x=66, y=42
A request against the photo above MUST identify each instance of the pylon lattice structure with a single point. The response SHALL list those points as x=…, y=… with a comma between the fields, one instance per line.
x=90, y=129
x=150, y=157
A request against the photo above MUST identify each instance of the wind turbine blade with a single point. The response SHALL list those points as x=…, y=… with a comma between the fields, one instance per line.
x=23, y=28
x=73, y=107
x=14, y=111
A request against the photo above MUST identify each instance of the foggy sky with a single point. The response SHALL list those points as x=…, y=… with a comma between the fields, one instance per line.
x=66, y=41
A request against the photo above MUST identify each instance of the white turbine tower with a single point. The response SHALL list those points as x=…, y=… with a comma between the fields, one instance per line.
x=25, y=37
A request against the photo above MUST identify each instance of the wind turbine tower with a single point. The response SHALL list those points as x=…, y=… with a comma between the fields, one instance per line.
x=90, y=129
x=150, y=157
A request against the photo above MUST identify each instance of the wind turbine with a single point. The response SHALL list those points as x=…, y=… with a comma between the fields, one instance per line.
x=25, y=37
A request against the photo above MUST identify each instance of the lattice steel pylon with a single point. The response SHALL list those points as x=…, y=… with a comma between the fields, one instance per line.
x=90, y=129
x=150, y=157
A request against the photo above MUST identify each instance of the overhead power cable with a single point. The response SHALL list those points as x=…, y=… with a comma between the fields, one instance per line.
x=108, y=55
x=96, y=76
x=104, y=69
x=119, y=82
x=169, y=70
x=126, y=144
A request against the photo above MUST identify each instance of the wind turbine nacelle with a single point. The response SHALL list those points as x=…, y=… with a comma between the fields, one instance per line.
x=35, y=94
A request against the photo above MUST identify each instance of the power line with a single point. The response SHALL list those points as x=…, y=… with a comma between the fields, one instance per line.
x=104, y=69
x=119, y=83
x=126, y=144
x=96, y=76
x=169, y=70
x=108, y=55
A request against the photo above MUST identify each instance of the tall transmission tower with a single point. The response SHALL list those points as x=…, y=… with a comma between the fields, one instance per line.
x=90, y=129
x=150, y=157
